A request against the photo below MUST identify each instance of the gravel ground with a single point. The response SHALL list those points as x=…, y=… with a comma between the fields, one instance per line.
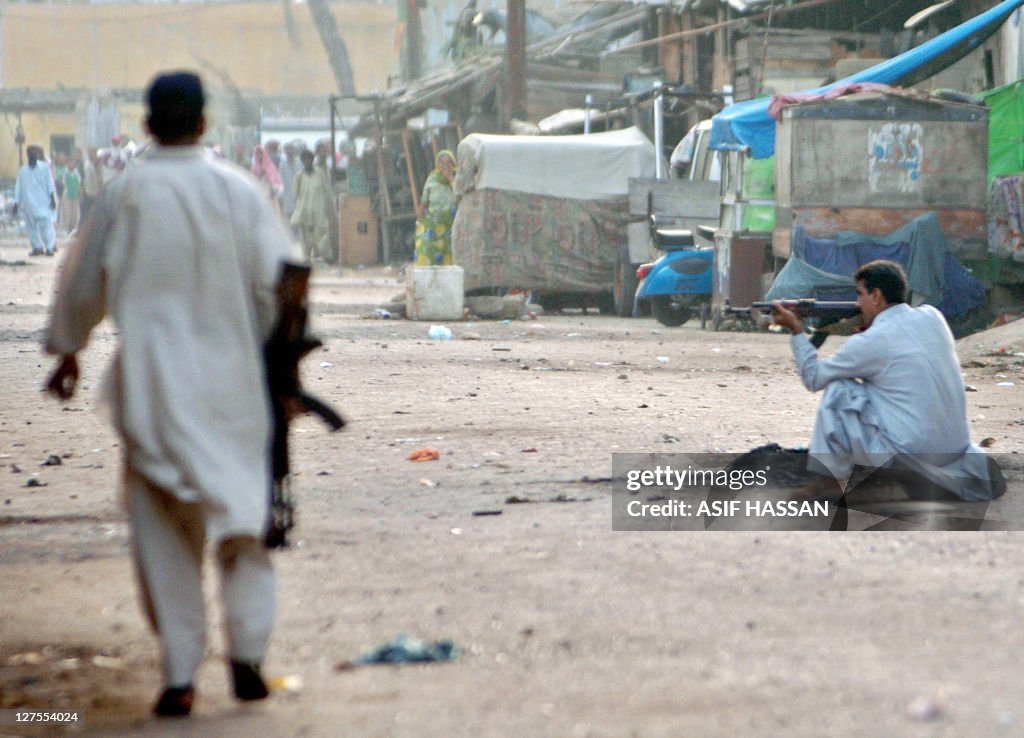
x=564, y=627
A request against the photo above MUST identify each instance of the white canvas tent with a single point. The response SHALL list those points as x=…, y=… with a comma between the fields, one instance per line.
x=593, y=167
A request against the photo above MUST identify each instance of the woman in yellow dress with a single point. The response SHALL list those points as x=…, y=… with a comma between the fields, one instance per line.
x=436, y=214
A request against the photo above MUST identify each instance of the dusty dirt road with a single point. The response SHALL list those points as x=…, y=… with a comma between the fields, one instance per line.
x=565, y=627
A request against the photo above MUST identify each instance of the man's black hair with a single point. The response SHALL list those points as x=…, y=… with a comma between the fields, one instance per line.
x=176, y=101
x=888, y=276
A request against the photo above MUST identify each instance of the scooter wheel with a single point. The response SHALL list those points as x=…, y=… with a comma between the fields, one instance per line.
x=669, y=313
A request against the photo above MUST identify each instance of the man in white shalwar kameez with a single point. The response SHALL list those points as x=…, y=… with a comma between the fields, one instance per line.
x=35, y=197
x=184, y=253
x=894, y=394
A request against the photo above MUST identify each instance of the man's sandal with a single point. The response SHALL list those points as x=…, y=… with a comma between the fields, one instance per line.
x=248, y=681
x=175, y=702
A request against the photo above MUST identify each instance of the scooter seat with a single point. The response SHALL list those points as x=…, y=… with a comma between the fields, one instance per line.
x=673, y=239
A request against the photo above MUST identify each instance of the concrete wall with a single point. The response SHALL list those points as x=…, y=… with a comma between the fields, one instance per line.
x=99, y=47
x=849, y=159
x=96, y=46
x=38, y=127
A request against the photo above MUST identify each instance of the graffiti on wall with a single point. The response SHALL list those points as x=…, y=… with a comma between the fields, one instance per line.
x=895, y=156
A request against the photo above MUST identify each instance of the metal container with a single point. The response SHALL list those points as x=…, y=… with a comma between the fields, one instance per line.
x=873, y=161
x=740, y=265
x=434, y=292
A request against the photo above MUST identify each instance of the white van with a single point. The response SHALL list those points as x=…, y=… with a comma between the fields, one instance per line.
x=693, y=158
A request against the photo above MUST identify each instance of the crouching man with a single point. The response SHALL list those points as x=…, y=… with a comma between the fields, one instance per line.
x=894, y=396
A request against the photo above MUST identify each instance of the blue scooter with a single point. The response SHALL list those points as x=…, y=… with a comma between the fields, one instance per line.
x=679, y=283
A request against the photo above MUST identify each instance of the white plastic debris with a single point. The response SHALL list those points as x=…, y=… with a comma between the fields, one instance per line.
x=107, y=662
x=927, y=708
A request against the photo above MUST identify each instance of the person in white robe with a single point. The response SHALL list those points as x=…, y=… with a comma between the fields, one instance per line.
x=35, y=197
x=310, y=213
x=184, y=252
x=289, y=167
x=894, y=395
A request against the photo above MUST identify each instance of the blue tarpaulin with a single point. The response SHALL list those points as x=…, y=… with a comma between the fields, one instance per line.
x=748, y=125
x=823, y=267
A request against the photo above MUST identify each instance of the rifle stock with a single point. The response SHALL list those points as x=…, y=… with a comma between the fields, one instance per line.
x=283, y=351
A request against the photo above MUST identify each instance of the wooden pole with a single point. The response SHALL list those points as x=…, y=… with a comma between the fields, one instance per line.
x=413, y=41
x=669, y=51
x=413, y=186
x=383, y=196
x=515, y=61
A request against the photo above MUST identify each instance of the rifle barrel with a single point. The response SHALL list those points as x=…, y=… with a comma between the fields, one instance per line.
x=811, y=305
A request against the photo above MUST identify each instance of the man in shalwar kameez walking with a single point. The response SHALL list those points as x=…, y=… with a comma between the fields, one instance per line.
x=35, y=196
x=894, y=395
x=184, y=253
x=312, y=189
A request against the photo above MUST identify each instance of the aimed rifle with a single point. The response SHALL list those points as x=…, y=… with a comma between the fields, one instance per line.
x=828, y=318
x=281, y=355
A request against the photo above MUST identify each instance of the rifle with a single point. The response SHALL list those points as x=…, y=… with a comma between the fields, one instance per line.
x=829, y=318
x=283, y=351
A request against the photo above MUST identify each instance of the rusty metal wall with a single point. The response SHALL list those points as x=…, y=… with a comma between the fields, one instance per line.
x=874, y=166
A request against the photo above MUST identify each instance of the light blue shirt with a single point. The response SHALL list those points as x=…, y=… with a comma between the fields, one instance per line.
x=34, y=188
x=907, y=362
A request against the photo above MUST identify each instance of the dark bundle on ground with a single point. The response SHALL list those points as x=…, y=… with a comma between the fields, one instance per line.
x=784, y=467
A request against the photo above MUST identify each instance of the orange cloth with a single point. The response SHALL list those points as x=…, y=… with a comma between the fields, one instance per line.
x=424, y=454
